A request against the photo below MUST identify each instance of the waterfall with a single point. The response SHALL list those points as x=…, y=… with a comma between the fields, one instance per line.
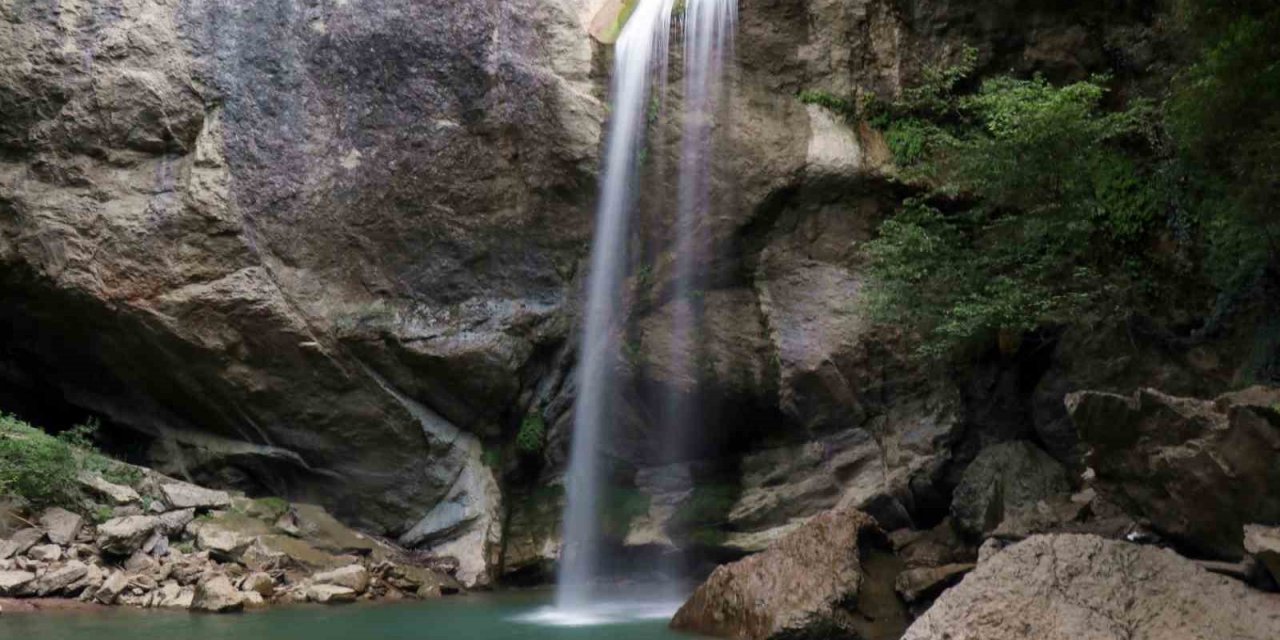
x=640, y=72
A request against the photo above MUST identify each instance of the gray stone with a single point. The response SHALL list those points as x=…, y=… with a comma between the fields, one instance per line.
x=915, y=585
x=18, y=543
x=1082, y=587
x=182, y=495
x=122, y=536
x=118, y=494
x=45, y=553
x=260, y=583
x=173, y=522
x=60, y=525
x=111, y=588
x=58, y=579
x=1004, y=480
x=354, y=577
x=330, y=594
x=12, y=582
x=216, y=594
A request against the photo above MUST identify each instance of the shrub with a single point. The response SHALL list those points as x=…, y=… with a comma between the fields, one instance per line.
x=35, y=466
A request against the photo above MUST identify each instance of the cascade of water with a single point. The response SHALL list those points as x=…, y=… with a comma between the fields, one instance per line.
x=640, y=62
x=641, y=50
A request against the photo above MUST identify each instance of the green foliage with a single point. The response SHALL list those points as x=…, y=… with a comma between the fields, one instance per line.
x=35, y=466
x=829, y=101
x=101, y=514
x=532, y=434
x=1048, y=192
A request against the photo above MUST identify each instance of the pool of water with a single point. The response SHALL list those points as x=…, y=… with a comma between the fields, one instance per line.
x=502, y=616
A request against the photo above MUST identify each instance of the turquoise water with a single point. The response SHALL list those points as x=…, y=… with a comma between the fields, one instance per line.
x=521, y=616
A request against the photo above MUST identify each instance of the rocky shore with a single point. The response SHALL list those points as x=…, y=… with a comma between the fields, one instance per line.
x=165, y=543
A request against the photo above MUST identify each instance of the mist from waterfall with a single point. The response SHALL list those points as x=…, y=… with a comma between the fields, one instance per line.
x=640, y=73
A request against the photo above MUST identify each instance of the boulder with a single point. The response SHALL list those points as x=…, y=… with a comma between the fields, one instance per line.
x=797, y=582
x=1263, y=543
x=915, y=585
x=221, y=542
x=330, y=594
x=61, y=526
x=56, y=580
x=216, y=594
x=116, y=493
x=1197, y=471
x=12, y=582
x=1082, y=587
x=254, y=600
x=173, y=596
x=122, y=536
x=259, y=582
x=354, y=577
x=183, y=495
x=111, y=588
x=45, y=553
x=173, y=522
x=1005, y=479
x=18, y=543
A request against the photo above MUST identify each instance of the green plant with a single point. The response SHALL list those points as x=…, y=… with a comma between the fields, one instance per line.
x=829, y=101
x=35, y=466
x=619, y=506
x=702, y=517
x=101, y=514
x=532, y=434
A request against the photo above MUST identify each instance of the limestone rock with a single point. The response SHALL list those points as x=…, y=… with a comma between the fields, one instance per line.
x=1081, y=587
x=330, y=594
x=45, y=553
x=1263, y=543
x=354, y=577
x=182, y=495
x=173, y=522
x=260, y=583
x=1005, y=479
x=11, y=582
x=118, y=494
x=123, y=536
x=61, y=526
x=111, y=588
x=1198, y=471
x=58, y=579
x=18, y=543
x=794, y=583
x=216, y=594
x=222, y=542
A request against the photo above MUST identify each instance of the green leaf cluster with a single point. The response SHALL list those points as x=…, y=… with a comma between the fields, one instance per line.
x=532, y=434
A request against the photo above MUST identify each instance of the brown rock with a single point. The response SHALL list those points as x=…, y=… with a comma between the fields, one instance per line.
x=1082, y=587
x=1196, y=470
x=216, y=594
x=798, y=580
x=915, y=585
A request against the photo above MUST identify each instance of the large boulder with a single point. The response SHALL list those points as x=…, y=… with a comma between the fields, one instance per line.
x=19, y=542
x=57, y=579
x=1081, y=587
x=11, y=582
x=183, y=495
x=1196, y=470
x=216, y=594
x=122, y=536
x=116, y=493
x=61, y=526
x=1005, y=480
x=354, y=577
x=797, y=582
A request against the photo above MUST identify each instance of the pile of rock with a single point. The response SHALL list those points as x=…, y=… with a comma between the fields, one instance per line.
x=164, y=543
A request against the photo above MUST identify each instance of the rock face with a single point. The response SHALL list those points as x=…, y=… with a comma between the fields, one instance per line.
x=1197, y=470
x=1004, y=481
x=795, y=583
x=1077, y=587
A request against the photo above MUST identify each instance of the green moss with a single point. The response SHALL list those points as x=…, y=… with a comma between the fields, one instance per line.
x=36, y=466
x=532, y=434
x=703, y=517
x=624, y=14
x=619, y=507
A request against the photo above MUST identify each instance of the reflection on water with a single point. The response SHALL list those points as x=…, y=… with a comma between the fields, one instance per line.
x=501, y=616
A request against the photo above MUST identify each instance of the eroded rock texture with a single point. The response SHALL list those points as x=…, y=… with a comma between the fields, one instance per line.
x=1197, y=470
x=1079, y=587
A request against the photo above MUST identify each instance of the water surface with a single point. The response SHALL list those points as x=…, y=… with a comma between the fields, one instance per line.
x=506, y=616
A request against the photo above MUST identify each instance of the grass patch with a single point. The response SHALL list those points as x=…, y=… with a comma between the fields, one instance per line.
x=41, y=469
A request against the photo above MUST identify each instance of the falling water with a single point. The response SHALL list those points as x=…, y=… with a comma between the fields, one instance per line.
x=641, y=51
x=640, y=62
